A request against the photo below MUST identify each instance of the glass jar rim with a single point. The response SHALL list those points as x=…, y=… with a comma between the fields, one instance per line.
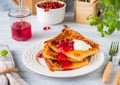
x=15, y=10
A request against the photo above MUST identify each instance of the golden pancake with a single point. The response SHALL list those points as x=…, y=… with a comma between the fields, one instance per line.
x=56, y=66
x=77, y=55
x=50, y=54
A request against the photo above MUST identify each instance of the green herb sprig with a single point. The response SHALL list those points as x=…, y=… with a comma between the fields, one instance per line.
x=3, y=52
x=108, y=21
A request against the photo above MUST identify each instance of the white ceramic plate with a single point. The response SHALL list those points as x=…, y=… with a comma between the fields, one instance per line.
x=31, y=61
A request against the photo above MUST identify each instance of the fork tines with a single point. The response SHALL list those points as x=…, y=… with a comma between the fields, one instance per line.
x=114, y=48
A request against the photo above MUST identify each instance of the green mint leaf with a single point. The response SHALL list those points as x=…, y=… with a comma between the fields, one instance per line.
x=110, y=30
x=102, y=33
x=89, y=17
x=118, y=25
x=106, y=22
x=109, y=15
x=100, y=27
x=3, y=52
x=108, y=2
x=94, y=21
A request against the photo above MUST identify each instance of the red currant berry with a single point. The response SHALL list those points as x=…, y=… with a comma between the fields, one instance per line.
x=48, y=27
x=65, y=26
x=45, y=28
x=39, y=55
x=63, y=29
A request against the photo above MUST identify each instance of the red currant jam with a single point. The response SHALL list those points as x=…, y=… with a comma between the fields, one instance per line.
x=61, y=57
x=21, y=31
x=64, y=46
x=66, y=65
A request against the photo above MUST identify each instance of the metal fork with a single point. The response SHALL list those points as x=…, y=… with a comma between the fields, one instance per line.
x=112, y=52
x=113, y=49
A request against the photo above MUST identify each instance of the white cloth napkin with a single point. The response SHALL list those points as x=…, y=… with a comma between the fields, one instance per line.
x=13, y=77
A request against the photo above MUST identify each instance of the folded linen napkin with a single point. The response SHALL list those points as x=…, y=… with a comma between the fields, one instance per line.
x=8, y=62
x=3, y=80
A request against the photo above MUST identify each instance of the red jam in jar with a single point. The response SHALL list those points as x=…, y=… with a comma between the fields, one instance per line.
x=21, y=31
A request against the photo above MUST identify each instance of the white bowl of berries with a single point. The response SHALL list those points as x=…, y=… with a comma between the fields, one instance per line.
x=50, y=12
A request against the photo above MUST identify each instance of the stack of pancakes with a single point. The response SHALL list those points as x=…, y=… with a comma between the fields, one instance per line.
x=72, y=59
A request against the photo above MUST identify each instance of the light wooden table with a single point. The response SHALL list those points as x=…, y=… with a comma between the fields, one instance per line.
x=17, y=48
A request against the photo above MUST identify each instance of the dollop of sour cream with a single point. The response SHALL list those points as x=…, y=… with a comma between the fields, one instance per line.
x=81, y=45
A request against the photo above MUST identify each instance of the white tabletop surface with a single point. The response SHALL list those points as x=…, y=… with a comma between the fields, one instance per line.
x=32, y=78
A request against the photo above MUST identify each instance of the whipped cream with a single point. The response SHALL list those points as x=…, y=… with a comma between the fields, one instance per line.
x=81, y=45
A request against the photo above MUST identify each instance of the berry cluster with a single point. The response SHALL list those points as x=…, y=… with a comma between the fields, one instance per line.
x=65, y=45
x=50, y=5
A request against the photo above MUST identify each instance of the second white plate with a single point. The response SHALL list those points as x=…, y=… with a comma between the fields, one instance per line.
x=31, y=61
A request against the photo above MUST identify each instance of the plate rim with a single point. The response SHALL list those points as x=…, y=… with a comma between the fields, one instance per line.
x=51, y=74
